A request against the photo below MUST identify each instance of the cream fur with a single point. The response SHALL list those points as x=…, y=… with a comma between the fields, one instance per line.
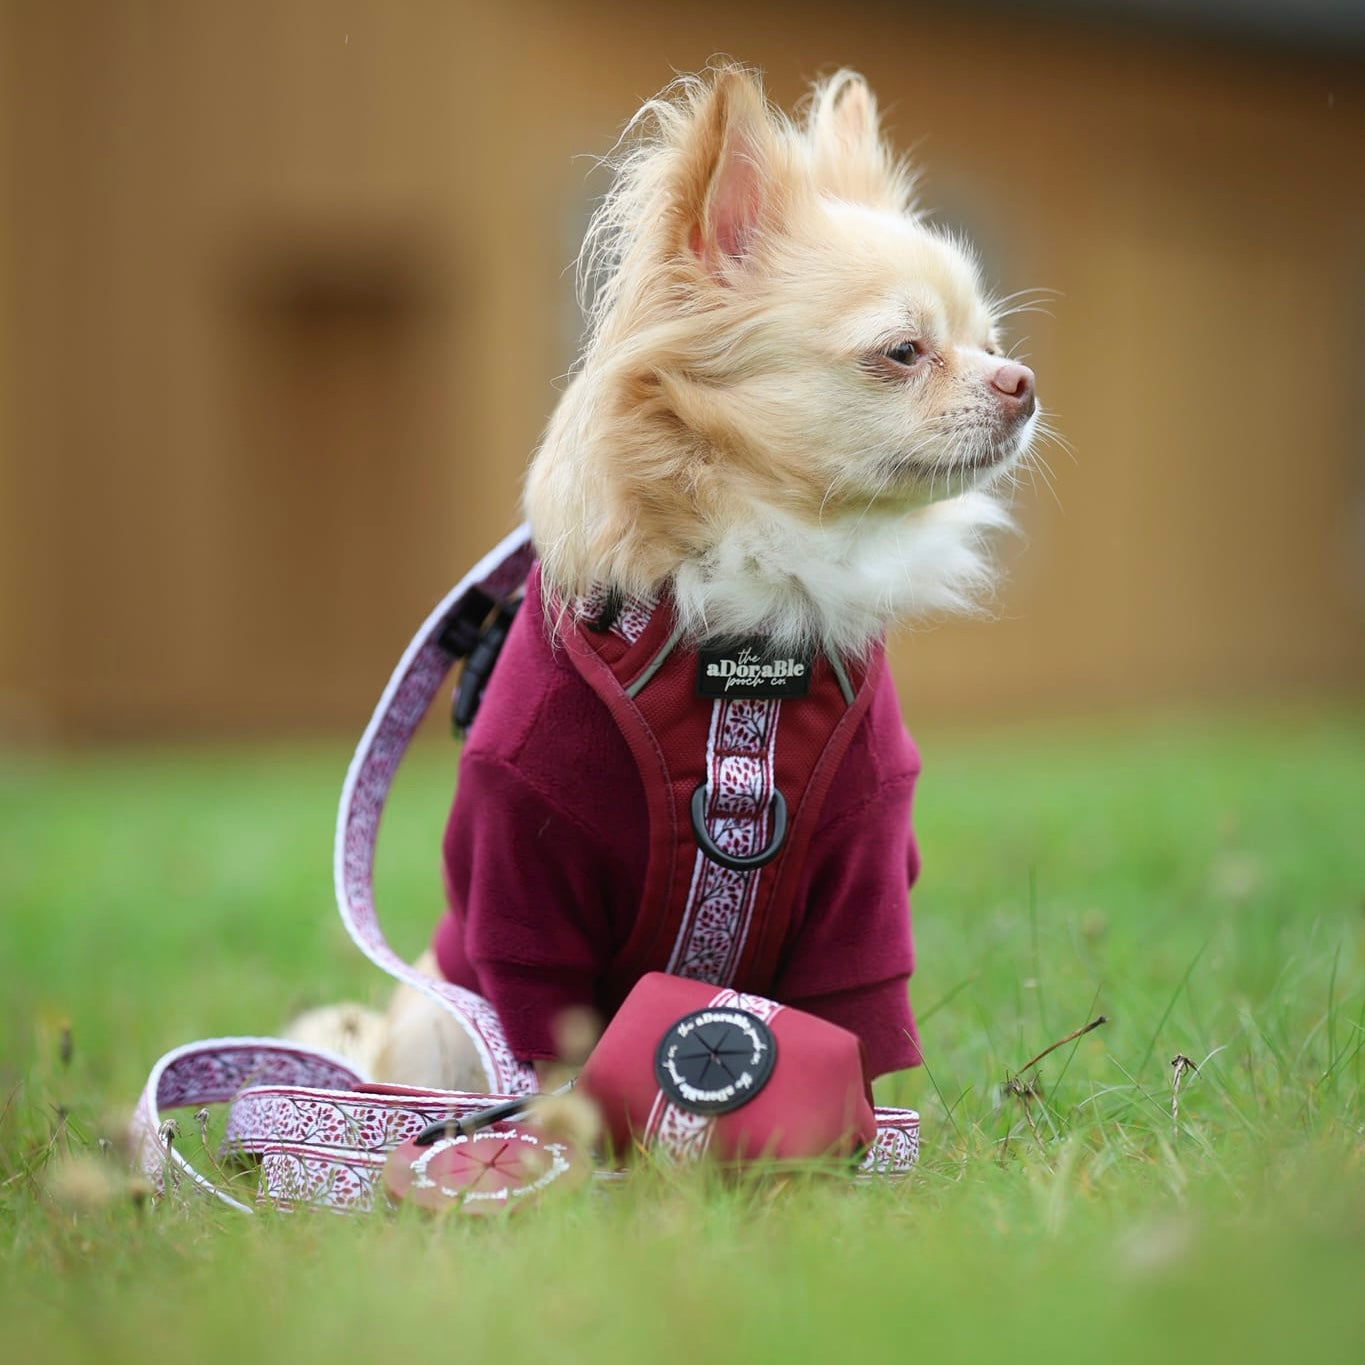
x=735, y=431
x=843, y=582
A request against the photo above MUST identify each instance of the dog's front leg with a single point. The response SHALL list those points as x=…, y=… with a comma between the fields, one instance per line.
x=423, y=1045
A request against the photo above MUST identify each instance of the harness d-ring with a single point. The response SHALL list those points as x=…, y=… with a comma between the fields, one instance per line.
x=717, y=854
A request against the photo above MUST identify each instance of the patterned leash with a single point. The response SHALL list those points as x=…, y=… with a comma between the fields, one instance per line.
x=319, y=1130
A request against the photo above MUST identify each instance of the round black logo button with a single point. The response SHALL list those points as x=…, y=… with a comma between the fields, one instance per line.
x=712, y=1061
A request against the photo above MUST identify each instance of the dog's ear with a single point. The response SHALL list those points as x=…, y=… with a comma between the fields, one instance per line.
x=731, y=192
x=849, y=159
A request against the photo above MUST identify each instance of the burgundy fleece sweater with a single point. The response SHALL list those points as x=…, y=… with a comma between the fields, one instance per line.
x=545, y=862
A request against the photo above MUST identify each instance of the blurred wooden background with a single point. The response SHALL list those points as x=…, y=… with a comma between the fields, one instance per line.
x=284, y=296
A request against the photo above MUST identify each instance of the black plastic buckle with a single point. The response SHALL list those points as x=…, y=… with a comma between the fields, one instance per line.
x=461, y=633
x=488, y=640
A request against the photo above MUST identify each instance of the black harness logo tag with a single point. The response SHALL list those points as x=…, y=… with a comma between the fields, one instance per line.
x=751, y=669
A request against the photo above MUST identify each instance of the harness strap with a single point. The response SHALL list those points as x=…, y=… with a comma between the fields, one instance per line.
x=734, y=787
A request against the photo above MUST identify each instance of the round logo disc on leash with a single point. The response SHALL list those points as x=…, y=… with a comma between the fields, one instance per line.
x=487, y=1171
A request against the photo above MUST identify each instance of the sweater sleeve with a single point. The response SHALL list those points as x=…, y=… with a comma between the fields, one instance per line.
x=852, y=959
x=527, y=924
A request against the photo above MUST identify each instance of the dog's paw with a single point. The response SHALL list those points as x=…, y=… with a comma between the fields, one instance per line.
x=424, y=1046
x=354, y=1032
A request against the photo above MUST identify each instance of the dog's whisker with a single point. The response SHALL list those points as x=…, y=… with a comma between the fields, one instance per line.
x=1019, y=310
x=1036, y=291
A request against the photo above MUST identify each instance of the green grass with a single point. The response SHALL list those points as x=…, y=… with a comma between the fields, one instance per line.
x=1202, y=884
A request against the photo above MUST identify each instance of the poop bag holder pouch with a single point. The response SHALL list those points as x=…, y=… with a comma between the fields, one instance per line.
x=695, y=1070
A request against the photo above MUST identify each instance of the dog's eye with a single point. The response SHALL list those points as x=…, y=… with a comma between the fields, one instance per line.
x=904, y=353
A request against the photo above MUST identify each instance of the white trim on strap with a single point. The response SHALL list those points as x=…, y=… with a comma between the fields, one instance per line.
x=215, y=1071
x=417, y=679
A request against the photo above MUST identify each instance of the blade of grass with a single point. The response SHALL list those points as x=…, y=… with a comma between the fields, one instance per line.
x=1037, y=959
x=1170, y=1005
x=923, y=1016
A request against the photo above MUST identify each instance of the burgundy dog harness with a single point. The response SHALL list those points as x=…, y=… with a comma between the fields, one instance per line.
x=736, y=751
x=319, y=1132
